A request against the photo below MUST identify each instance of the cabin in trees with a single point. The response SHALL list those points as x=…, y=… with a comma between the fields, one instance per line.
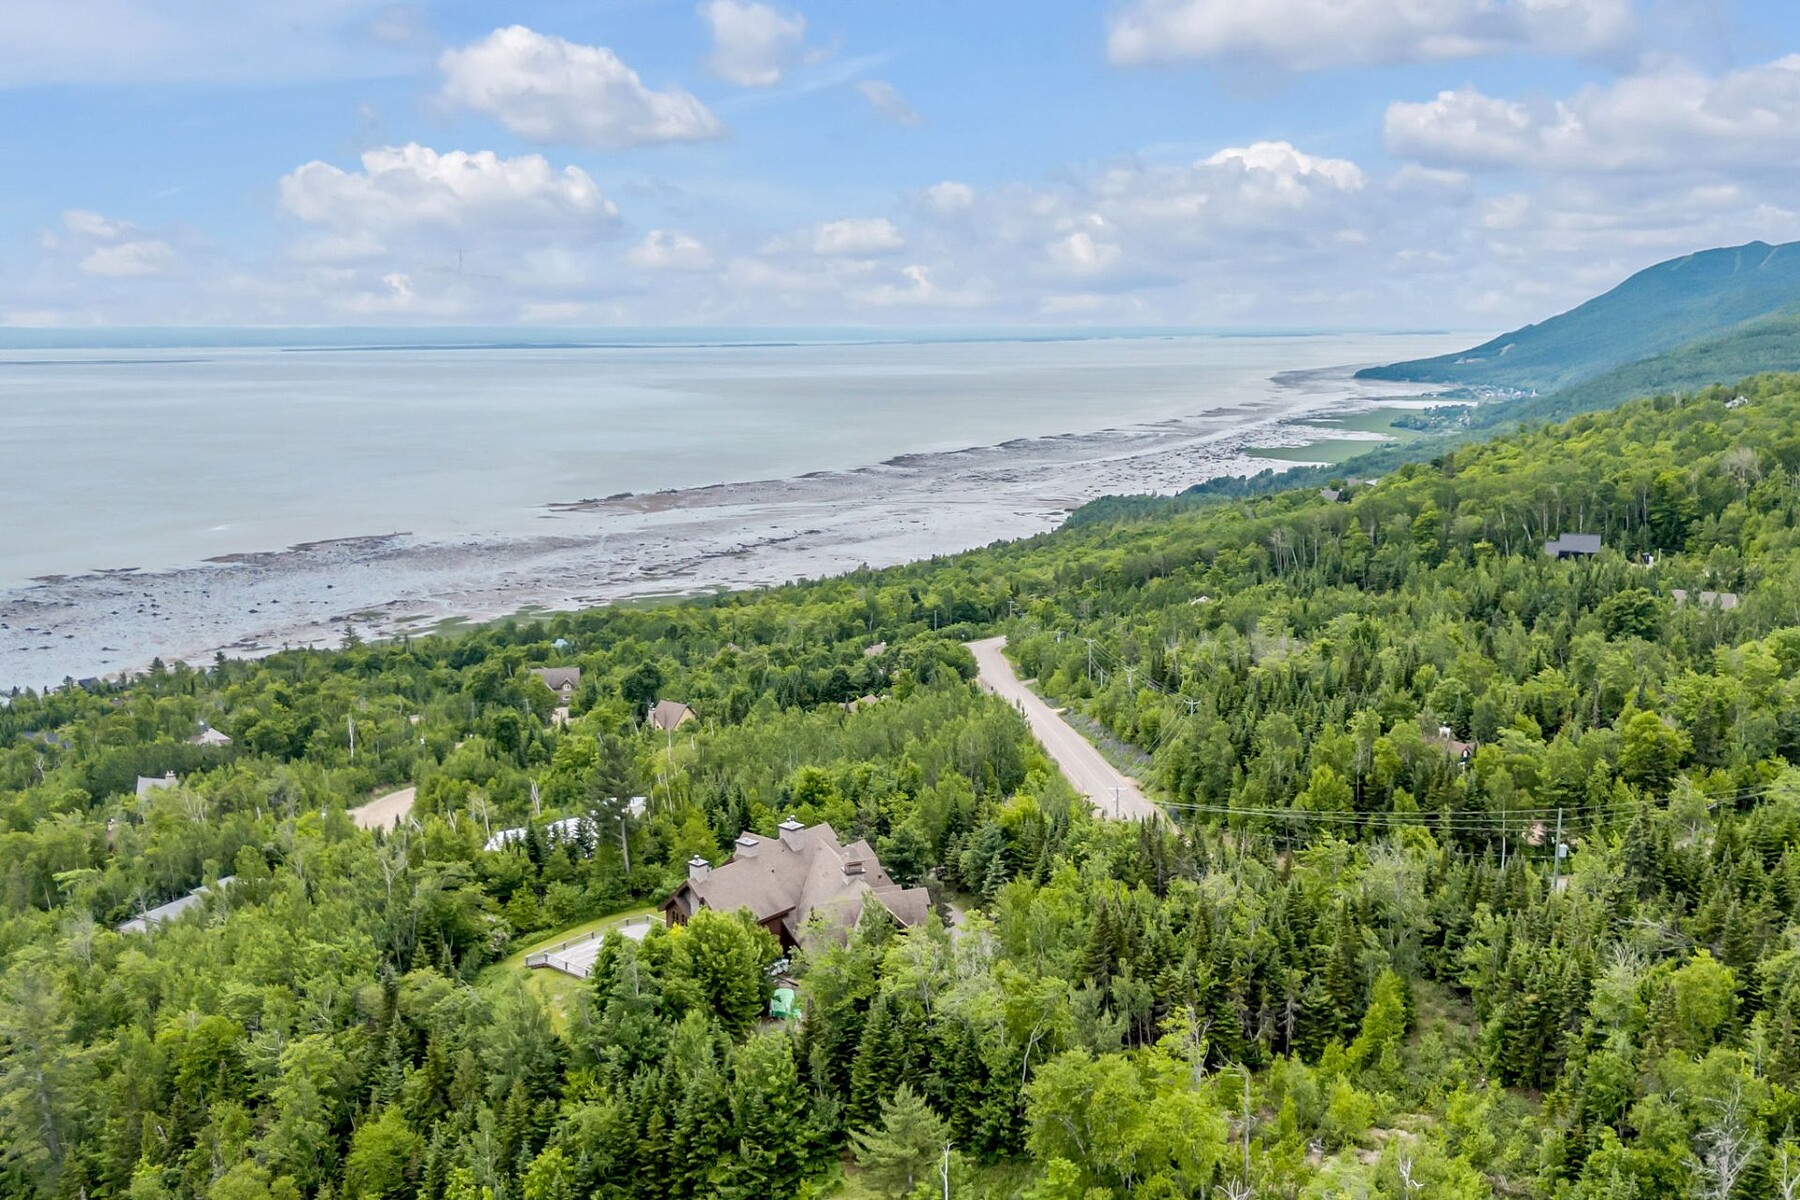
x=174, y=908
x=561, y=680
x=787, y=881
x=150, y=783
x=1573, y=545
x=669, y=714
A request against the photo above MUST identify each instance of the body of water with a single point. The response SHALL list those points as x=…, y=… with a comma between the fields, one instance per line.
x=172, y=501
x=154, y=458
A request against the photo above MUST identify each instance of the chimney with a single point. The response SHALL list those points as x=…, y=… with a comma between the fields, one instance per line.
x=790, y=833
x=698, y=869
x=853, y=869
x=746, y=845
x=1445, y=732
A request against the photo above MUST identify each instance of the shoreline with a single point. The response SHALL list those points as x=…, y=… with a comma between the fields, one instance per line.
x=626, y=547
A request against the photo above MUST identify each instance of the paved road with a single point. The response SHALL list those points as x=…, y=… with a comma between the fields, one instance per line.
x=1112, y=793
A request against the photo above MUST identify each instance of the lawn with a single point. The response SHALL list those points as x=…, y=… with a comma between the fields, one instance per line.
x=556, y=990
x=1336, y=450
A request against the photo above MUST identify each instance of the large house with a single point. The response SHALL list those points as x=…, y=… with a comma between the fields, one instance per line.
x=561, y=680
x=787, y=882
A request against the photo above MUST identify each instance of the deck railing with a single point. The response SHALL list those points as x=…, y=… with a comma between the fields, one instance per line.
x=556, y=956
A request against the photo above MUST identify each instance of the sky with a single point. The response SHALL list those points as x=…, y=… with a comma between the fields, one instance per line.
x=1226, y=164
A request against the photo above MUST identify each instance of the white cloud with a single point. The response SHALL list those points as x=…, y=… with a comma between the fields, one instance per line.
x=159, y=41
x=1081, y=253
x=855, y=237
x=548, y=90
x=403, y=187
x=887, y=100
x=1669, y=119
x=86, y=223
x=947, y=197
x=669, y=250
x=1302, y=35
x=754, y=45
x=123, y=260
x=1278, y=170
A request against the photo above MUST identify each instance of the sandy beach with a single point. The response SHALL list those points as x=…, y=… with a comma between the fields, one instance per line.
x=595, y=551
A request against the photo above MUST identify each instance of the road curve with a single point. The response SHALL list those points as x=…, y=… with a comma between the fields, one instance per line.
x=1111, y=792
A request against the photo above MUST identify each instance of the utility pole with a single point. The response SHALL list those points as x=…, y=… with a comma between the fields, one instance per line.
x=1090, y=646
x=1556, y=854
x=350, y=721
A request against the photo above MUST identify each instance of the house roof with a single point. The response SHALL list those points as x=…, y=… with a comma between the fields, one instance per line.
x=171, y=910
x=209, y=737
x=565, y=830
x=1574, y=543
x=149, y=783
x=1725, y=601
x=667, y=714
x=814, y=876
x=558, y=678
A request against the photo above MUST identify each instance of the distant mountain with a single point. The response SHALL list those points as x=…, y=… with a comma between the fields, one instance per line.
x=1659, y=311
x=1753, y=348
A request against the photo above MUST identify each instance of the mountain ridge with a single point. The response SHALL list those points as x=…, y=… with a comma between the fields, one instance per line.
x=1655, y=311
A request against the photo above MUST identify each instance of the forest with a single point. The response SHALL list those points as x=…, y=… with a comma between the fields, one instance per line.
x=1480, y=875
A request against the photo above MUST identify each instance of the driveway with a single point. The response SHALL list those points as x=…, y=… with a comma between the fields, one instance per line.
x=385, y=812
x=1109, y=790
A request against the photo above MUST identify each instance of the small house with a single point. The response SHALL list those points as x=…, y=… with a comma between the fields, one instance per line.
x=209, y=737
x=1573, y=545
x=561, y=680
x=790, y=881
x=174, y=908
x=150, y=783
x=669, y=714
x=1461, y=751
x=875, y=650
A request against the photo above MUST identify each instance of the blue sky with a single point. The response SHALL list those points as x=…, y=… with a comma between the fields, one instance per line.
x=1288, y=163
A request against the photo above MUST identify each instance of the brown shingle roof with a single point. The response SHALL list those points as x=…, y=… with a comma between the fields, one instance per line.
x=813, y=877
x=559, y=678
x=667, y=714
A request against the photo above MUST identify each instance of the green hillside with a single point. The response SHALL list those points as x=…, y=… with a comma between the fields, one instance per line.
x=1770, y=344
x=1350, y=963
x=1658, y=310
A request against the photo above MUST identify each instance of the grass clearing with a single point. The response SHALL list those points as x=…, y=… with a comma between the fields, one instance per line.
x=1332, y=450
x=557, y=991
x=1325, y=450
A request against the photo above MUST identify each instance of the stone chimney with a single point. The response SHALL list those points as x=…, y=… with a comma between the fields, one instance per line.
x=790, y=833
x=853, y=869
x=698, y=869
x=746, y=845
